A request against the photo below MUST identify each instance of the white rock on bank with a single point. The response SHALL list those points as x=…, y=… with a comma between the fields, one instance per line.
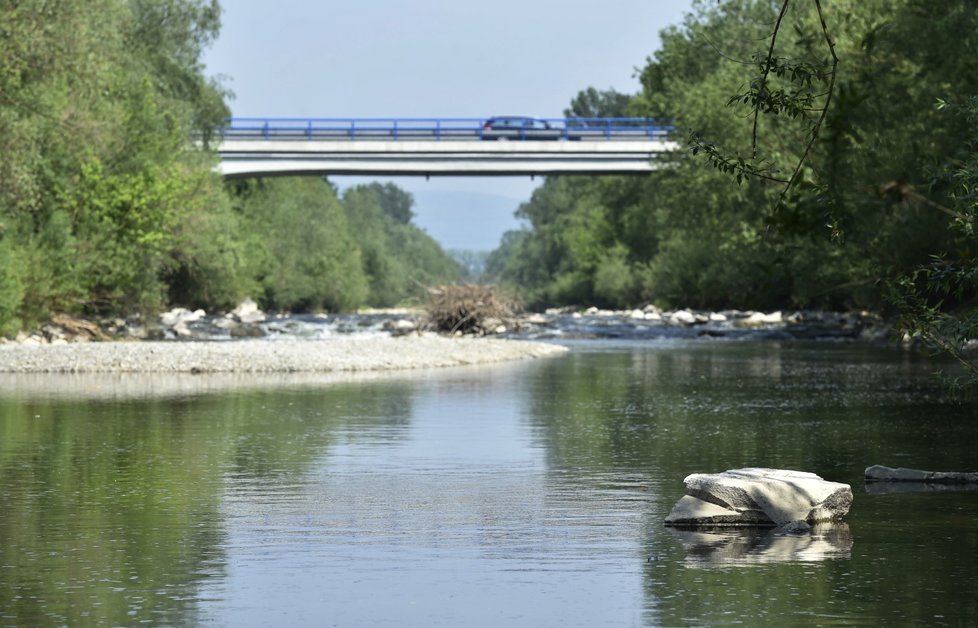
x=180, y=315
x=757, y=496
x=248, y=312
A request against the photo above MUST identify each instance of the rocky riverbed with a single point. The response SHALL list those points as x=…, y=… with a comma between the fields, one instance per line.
x=247, y=321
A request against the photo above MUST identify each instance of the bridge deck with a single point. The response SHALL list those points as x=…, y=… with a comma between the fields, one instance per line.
x=307, y=148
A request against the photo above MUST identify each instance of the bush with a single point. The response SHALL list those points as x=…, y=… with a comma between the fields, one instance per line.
x=11, y=287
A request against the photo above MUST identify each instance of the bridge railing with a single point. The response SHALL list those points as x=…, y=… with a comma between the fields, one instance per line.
x=439, y=129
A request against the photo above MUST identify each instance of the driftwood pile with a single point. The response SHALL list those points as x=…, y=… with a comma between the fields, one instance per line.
x=468, y=309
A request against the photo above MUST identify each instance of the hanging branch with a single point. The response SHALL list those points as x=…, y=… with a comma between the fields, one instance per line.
x=767, y=70
x=828, y=99
x=791, y=103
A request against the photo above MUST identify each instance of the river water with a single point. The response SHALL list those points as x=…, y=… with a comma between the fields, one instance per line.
x=526, y=494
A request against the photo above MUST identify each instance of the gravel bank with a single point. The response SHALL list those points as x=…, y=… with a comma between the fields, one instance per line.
x=264, y=356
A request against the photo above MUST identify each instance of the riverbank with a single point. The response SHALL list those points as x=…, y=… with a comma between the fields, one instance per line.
x=248, y=322
x=265, y=356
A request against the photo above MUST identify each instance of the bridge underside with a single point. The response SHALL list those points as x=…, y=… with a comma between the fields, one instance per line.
x=248, y=158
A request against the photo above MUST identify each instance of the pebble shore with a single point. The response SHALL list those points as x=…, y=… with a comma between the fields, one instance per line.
x=264, y=356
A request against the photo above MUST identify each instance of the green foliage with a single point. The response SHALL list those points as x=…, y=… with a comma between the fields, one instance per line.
x=472, y=264
x=106, y=206
x=591, y=103
x=12, y=275
x=394, y=202
x=303, y=256
x=399, y=259
x=937, y=300
x=97, y=103
x=880, y=178
x=211, y=263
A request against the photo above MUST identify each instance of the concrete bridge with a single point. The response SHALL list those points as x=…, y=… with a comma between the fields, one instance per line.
x=504, y=145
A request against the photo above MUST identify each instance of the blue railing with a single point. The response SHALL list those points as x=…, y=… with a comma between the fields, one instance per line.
x=497, y=128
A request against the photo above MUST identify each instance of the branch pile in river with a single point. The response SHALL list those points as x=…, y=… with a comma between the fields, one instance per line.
x=467, y=309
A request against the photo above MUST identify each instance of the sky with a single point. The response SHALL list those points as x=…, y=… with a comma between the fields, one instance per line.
x=434, y=58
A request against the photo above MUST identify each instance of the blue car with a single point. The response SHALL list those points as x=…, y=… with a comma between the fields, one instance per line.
x=519, y=128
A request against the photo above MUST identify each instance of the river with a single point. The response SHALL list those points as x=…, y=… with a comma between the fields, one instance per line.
x=522, y=494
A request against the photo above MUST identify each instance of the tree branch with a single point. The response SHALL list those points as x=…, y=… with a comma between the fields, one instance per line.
x=767, y=70
x=828, y=99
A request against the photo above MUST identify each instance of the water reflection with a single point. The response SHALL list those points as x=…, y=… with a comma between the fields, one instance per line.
x=746, y=546
x=129, y=386
x=886, y=488
x=112, y=512
x=526, y=494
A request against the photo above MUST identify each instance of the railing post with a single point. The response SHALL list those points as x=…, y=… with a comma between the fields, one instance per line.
x=395, y=130
x=353, y=129
x=266, y=130
x=309, y=129
x=437, y=129
x=607, y=132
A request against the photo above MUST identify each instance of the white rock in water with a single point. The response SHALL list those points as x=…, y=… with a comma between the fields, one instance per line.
x=757, y=496
x=248, y=312
x=759, y=318
x=682, y=317
x=180, y=315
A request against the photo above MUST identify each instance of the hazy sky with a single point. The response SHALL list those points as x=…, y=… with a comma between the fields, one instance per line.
x=435, y=58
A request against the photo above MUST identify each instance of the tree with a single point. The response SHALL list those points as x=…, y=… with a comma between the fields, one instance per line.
x=399, y=259
x=876, y=176
x=304, y=255
x=591, y=103
x=98, y=102
x=864, y=205
x=394, y=201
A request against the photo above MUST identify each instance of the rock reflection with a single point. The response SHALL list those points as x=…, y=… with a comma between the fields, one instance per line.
x=713, y=546
x=887, y=488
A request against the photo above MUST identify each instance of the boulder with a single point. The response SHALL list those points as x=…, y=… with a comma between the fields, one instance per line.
x=760, y=319
x=247, y=312
x=759, y=497
x=879, y=473
x=180, y=315
x=683, y=317
x=247, y=330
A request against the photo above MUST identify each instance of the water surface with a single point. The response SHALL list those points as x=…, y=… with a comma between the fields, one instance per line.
x=521, y=494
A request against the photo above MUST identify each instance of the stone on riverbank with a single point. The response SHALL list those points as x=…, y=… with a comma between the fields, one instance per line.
x=760, y=497
x=879, y=473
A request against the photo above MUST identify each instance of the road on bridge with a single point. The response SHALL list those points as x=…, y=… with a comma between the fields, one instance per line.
x=439, y=146
x=514, y=128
